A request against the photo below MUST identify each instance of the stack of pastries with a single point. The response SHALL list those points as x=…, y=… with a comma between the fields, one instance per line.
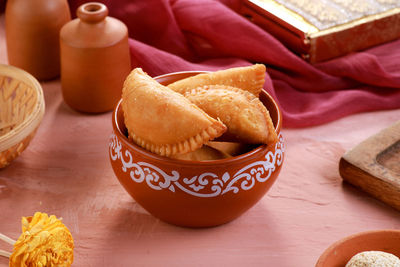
x=184, y=119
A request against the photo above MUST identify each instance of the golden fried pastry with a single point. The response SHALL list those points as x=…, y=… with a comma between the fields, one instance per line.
x=203, y=154
x=247, y=119
x=231, y=148
x=250, y=78
x=163, y=121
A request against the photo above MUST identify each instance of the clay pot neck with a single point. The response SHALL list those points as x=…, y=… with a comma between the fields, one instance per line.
x=92, y=12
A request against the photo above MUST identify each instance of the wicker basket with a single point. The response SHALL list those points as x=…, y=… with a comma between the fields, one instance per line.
x=21, y=111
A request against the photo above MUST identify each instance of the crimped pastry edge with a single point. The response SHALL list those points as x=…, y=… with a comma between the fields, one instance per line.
x=259, y=76
x=272, y=136
x=216, y=129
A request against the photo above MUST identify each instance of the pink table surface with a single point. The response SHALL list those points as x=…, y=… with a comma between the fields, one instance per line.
x=65, y=171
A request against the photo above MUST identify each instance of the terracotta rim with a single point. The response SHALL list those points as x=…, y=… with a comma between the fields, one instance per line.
x=330, y=250
x=243, y=157
x=92, y=12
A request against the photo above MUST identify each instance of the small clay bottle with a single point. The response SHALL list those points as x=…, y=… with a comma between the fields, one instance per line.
x=32, y=35
x=95, y=59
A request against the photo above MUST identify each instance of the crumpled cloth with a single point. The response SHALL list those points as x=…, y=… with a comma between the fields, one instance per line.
x=177, y=35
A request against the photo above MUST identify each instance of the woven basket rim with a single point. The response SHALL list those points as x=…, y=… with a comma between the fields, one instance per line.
x=32, y=121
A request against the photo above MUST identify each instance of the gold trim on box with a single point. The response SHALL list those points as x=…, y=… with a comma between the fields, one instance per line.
x=285, y=14
x=357, y=22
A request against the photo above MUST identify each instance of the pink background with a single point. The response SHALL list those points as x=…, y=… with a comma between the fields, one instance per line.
x=65, y=171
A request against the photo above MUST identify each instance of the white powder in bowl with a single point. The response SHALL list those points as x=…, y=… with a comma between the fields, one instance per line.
x=374, y=259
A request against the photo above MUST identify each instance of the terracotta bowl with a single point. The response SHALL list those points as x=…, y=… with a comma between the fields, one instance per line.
x=340, y=252
x=194, y=193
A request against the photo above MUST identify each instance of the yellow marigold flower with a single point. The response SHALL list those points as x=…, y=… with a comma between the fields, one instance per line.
x=45, y=242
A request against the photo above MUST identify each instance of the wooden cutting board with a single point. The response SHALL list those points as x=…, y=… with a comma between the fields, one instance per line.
x=374, y=166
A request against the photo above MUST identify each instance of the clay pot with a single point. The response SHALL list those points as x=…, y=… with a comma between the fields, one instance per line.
x=195, y=193
x=340, y=252
x=32, y=35
x=95, y=59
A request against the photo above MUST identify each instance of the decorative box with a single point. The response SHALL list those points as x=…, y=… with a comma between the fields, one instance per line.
x=319, y=30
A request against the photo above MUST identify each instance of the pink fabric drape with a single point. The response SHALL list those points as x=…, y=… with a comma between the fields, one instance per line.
x=177, y=35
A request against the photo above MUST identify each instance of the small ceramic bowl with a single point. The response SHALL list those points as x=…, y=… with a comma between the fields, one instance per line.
x=195, y=193
x=21, y=111
x=340, y=252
